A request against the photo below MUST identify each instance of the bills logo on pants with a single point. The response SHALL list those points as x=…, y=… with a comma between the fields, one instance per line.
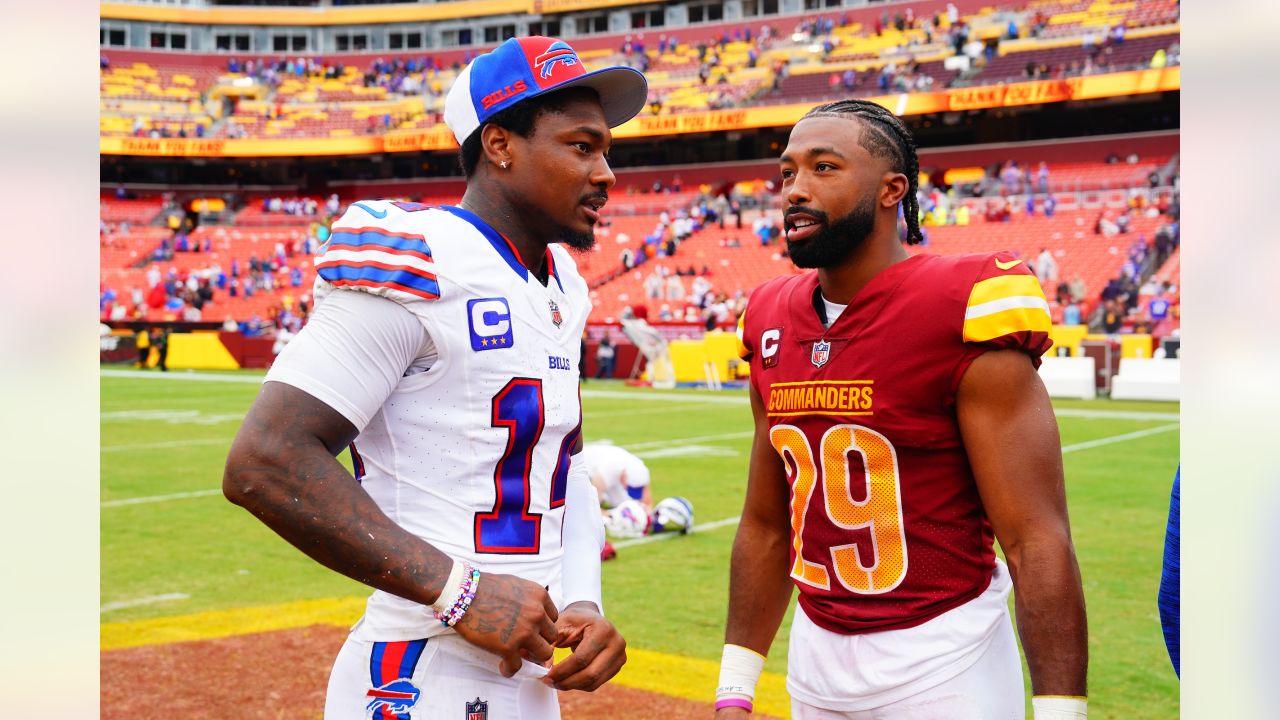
x=391, y=665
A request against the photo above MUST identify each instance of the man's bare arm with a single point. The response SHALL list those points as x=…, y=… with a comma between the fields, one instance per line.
x=1011, y=436
x=282, y=468
x=759, y=575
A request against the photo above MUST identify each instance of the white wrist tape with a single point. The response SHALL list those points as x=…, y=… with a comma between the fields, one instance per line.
x=583, y=535
x=452, y=589
x=740, y=670
x=1059, y=707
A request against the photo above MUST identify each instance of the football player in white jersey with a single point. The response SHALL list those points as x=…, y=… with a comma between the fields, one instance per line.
x=442, y=353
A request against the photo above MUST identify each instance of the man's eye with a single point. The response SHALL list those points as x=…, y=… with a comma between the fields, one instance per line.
x=584, y=147
x=821, y=166
x=786, y=174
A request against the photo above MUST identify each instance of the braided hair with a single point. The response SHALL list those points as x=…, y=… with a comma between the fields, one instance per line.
x=886, y=137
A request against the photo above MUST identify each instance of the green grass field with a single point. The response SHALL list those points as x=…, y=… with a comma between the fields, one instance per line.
x=168, y=436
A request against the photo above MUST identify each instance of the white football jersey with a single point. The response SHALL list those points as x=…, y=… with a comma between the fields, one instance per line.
x=471, y=454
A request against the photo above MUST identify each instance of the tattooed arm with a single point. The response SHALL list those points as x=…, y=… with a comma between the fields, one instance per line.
x=282, y=468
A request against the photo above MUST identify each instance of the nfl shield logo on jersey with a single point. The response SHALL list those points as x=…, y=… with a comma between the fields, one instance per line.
x=478, y=710
x=821, y=353
x=556, y=317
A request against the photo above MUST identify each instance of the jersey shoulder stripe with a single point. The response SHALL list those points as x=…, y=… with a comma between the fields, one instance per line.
x=1009, y=300
x=372, y=257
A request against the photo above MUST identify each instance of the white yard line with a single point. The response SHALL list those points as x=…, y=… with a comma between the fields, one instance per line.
x=167, y=444
x=196, y=377
x=121, y=604
x=667, y=536
x=1115, y=414
x=160, y=498
x=1119, y=438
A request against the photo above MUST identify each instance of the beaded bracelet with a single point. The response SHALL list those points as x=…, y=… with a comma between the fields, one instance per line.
x=466, y=593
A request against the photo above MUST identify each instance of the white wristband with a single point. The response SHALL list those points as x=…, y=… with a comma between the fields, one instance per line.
x=1059, y=707
x=452, y=589
x=740, y=670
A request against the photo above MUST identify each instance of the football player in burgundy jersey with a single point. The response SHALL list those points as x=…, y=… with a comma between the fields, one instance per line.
x=901, y=427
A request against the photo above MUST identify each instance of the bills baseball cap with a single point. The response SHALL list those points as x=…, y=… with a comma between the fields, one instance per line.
x=526, y=67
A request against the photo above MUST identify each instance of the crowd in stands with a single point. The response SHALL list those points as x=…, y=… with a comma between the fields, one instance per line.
x=301, y=206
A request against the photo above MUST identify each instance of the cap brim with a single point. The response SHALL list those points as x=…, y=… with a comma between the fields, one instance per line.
x=623, y=92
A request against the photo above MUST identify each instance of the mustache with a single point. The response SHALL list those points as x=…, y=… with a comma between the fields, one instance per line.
x=816, y=214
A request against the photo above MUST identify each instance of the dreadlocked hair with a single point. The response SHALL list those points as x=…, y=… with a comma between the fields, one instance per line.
x=887, y=138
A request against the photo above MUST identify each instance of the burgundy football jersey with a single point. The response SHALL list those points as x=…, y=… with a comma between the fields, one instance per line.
x=887, y=528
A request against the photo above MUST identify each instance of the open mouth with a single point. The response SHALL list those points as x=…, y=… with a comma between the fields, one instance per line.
x=591, y=207
x=800, y=227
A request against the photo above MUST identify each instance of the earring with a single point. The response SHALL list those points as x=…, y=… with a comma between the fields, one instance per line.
x=503, y=164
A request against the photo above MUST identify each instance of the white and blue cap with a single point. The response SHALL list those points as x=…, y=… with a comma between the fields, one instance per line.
x=526, y=67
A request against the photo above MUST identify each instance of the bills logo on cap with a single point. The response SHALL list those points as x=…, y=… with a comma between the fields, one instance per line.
x=821, y=353
x=525, y=67
x=558, y=52
x=489, y=320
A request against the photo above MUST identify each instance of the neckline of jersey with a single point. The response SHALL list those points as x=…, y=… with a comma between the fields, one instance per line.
x=502, y=245
x=895, y=274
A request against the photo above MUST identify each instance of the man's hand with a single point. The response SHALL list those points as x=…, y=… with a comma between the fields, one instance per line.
x=599, y=651
x=512, y=618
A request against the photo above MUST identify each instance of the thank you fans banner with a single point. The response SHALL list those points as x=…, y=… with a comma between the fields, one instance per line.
x=1137, y=82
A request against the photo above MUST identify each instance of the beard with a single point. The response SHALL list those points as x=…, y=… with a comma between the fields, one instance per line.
x=580, y=241
x=836, y=241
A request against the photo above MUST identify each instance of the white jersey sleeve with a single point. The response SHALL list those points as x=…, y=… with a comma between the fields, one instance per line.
x=353, y=352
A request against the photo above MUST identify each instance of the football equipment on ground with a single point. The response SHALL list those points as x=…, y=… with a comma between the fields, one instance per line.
x=673, y=514
x=628, y=520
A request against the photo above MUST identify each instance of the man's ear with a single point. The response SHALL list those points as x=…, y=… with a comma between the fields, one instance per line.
x=496, y=144
x=895, y=188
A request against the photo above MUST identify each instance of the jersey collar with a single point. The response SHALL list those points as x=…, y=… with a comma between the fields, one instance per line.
x=502, y=245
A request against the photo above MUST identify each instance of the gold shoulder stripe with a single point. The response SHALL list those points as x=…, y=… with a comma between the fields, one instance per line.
x=1003, y=286
x=1007, y=322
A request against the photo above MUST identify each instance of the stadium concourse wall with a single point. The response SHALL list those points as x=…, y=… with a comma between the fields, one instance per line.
x=192, y=346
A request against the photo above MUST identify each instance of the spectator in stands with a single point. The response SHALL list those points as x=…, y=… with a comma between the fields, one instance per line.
x=1071, y=314
x=1046, y=266
x=1063, y=293
x=1112, y=317
x=1050, y=204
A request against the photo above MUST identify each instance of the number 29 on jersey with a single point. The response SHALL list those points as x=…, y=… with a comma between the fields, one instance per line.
x=874, y=560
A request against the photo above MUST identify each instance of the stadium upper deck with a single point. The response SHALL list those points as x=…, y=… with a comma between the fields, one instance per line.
x=920, y=48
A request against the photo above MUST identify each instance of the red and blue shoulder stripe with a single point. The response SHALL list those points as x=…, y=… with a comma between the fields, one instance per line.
x=375, y=257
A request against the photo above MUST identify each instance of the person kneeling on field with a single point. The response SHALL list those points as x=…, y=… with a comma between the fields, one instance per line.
x=622, y=480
